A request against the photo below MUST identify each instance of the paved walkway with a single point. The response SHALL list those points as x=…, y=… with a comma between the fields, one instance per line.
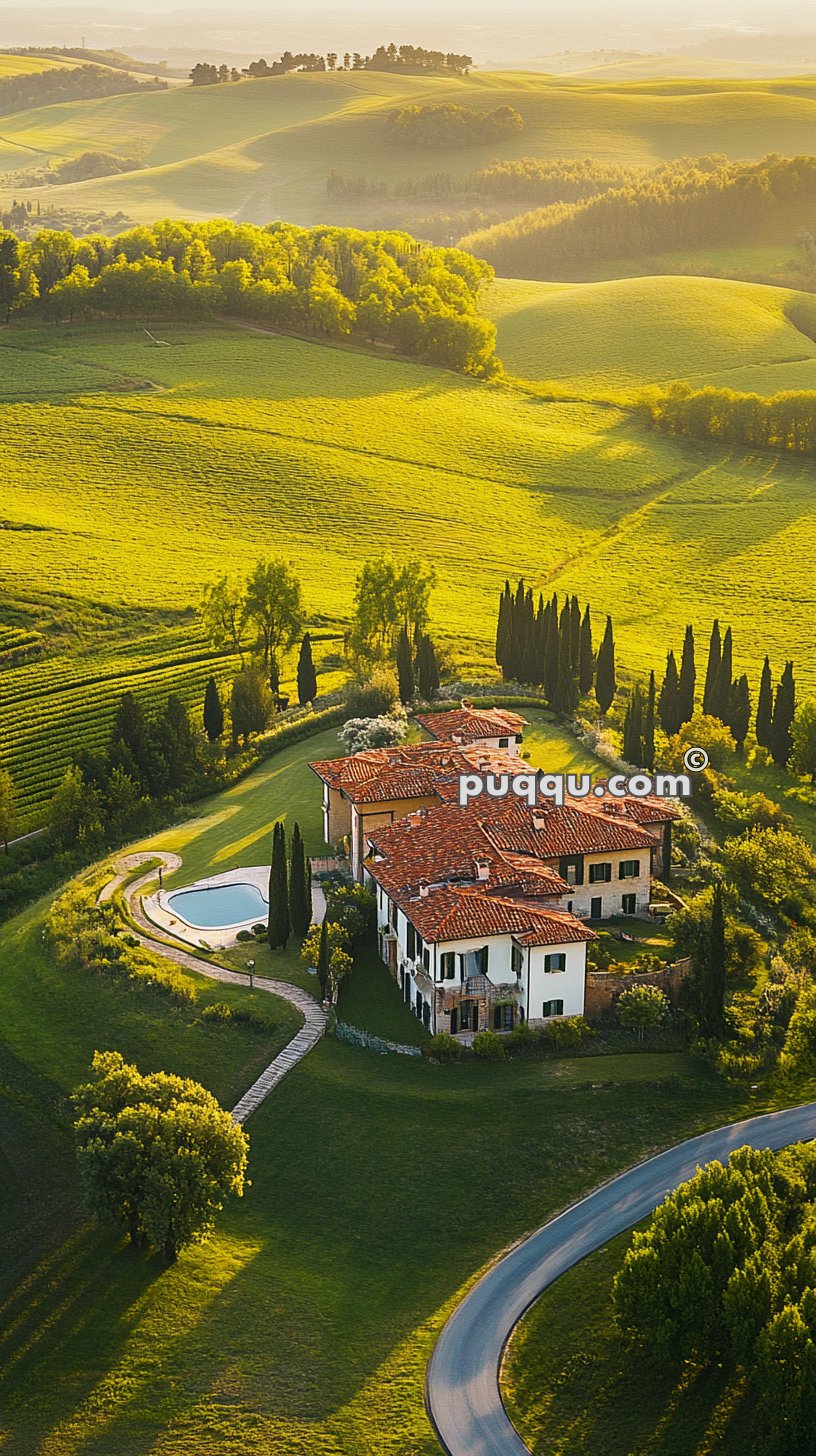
x=314, y=1017
x=462, y=1393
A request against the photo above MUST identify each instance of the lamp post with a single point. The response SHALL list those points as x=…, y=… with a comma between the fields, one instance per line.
x=250, y=969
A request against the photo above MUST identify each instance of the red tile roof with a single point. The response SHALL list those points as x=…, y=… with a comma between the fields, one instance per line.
x=467, y=724
x=443, y=843
x=446, y=913
x=409, y=770
x=648, y=810
x=550, y=831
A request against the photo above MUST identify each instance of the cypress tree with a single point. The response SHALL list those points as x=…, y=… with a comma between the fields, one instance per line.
x=306, y=675
x=279, y=926
x=633, y=728
x=213, y=711
x=504, y=631
x=783, y=716
x=718, y=703
x=605, y=681
x=649, y=725
x=586, y=659
x=551, y=658
x=764, y=713
x=712, y=666
x=711, y=972
x=519, y=643
x=323, y=959
x=427, y=667
x=530, y=664
x=739, y=710
x=668, y=707
x=405, y=667
x=688, y=678
x=575, y=633
x=566, y=693
x=540, y=641
x=300, y=887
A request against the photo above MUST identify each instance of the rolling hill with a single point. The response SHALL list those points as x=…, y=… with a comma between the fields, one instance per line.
x=263, y=149
x=231, y=444
x=609, y=339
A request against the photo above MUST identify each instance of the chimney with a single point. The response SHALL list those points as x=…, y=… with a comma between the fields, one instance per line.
x=482, y=869
x=467, y=703
x=423, y=889
x=539, y=819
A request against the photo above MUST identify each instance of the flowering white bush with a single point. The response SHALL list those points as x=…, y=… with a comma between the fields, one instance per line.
x=360, y=734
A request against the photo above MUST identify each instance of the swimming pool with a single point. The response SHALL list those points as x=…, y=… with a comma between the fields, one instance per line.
x=221, y=907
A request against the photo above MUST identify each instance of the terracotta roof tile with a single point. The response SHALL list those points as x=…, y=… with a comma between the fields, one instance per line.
x=446, y=913
x=467, y=724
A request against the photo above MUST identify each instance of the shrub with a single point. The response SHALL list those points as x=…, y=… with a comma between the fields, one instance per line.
x=360, y=734
x=566, y=1032
x=442, y=1047
x=85, y=934
x=488, y=1045
x=374, y=697
x=217, y=1011
x=523, y=1038
x=244, y=935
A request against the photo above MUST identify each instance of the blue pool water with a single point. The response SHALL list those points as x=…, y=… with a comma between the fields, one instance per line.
x=219, y=908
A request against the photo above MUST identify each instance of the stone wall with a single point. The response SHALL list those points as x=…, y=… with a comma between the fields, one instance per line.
x=604, y=987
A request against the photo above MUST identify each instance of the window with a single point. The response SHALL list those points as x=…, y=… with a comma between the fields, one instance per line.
x=447, y=966
x=570, y=904
x=469, y=1016
x=600, y=874
x=503, y=1016
x=571, y=868
x=629, y=869
x=410, y=941
x=552, y=1008
x=596, y=908
x=426, y=959
x=504, y=742
x=475, y=962
x=629, y=904
x=426, y=1014
x=555, y=962
x=516, y=960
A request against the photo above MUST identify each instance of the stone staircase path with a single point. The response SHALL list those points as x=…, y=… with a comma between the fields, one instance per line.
x=314, y=1017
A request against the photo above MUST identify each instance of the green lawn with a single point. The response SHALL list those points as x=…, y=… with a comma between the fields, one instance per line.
x=379, y=1186
x=52, y=1020
x=572, y=1388
x=370, y=998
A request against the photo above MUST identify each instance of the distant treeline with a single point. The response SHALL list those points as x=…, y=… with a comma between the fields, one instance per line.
x=525, y=180
x=695, y=203
x=81, y=83
x=413, y=60
x=381, y=286
x=447, y=125
x=77, y=169
x=785, y=421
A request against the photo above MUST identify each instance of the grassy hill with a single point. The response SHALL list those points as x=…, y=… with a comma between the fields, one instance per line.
x=608, y=339
x=305, y=1324
x=264, y=148
x=232, y=444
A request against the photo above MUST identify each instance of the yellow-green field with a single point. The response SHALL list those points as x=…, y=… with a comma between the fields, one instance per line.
x=264, y=148
x=247, y=444
x=609, y=339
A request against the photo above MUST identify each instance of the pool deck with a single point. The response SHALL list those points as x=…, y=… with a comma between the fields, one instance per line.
x=159, y=910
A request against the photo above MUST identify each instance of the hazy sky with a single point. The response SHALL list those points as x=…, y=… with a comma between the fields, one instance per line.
x=486, y=28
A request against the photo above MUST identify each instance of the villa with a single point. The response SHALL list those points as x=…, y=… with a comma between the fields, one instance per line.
x=482, y=908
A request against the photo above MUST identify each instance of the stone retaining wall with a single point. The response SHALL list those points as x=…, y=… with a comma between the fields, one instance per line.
x=604, y=987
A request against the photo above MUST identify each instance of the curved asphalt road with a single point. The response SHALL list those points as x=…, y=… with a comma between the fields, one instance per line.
x=462, y=1382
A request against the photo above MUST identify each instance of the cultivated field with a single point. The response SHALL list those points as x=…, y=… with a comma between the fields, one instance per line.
x=264, y=148
x=247, y=444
